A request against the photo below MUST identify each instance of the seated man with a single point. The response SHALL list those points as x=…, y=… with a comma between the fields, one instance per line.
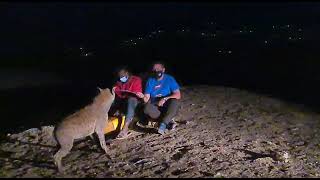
x=161, y=96
x=128, y=90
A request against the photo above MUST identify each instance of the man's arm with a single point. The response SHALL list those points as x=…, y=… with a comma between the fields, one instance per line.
x=147, y=91
x=117, y=90
x=146, y=98
x=137, y=87
x=175, y=95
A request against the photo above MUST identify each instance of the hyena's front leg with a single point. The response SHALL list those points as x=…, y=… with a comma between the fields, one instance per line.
x=100, y=132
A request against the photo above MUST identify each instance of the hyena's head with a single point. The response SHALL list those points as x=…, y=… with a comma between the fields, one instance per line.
x=106, y=96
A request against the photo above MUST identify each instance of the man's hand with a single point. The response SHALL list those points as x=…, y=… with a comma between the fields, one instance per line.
x=140, y=95
x=162, y=101
x=146, y=98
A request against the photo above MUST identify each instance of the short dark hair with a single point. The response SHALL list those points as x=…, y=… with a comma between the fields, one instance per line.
x=122, y=68
x=158, y=62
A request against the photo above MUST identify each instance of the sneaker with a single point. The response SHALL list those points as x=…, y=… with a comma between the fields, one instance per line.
x=162, y=128
x=143, y=123
x=172, y=125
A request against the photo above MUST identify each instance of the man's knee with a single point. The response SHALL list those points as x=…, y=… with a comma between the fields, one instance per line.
x=174, y=102
x=151, y=110
x=147, y=108
x=132, y=101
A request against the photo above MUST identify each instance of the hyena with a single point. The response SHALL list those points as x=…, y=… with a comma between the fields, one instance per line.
x=90, y=119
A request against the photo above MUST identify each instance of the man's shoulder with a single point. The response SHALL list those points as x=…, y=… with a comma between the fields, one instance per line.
x=169, y=77
x=135, y=78
x=151, y=79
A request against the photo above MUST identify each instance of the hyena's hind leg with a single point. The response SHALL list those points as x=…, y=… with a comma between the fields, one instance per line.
x=65, y=147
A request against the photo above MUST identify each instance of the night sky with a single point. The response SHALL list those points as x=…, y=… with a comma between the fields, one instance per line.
x=41, y=27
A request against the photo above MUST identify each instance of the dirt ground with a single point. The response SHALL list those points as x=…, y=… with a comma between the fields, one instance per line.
x=221, y=132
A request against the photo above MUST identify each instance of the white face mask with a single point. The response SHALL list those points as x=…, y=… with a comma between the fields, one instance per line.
x=124, y=79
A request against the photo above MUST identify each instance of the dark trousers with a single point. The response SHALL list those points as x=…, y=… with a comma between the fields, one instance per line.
x=168, y=111
x=127, y=106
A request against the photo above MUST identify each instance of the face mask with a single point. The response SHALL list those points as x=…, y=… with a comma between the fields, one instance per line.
x=157, y=74
x=124, y=79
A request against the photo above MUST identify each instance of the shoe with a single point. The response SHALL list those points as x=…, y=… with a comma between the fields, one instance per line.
x=142, y=123
x=172, y=125
x=162, y=128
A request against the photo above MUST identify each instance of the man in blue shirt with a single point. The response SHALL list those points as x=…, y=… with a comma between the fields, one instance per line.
x=162, y=95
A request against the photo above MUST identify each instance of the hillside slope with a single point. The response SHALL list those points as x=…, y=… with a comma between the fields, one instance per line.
x=221, y=132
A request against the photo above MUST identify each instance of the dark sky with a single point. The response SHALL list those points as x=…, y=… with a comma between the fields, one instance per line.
x=42, y=26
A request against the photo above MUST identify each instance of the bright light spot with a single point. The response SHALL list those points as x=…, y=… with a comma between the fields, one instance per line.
x=220, y=51
x=265, y=42
x=288, y=25
x=300, y=38
x=86, y=54
x=240, y=31
x=202, y=34
x=81, y=48
x=229, y=52
x=290, y=38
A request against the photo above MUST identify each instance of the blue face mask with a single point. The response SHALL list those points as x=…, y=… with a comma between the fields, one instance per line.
x=124, y=79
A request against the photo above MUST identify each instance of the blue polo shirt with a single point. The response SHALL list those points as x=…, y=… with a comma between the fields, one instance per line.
x=161, y=88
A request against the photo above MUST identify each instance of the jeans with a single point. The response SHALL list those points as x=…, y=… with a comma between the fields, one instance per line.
x=168, y=111
x=127, y=106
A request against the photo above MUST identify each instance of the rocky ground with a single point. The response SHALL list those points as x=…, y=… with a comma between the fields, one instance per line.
x=221, y=132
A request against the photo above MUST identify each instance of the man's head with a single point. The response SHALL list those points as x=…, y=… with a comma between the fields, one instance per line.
x=158, y=69
x=123, y=74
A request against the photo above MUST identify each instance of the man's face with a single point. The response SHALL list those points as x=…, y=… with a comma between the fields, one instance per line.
x=123, y=73
x=158, y=68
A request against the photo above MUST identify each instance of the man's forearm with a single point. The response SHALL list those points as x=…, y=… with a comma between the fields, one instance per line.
x=146, y=98
x=173, y=96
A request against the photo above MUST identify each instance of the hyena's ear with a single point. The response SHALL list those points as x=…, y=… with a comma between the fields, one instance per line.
x=112, y=91
x=99, y=89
